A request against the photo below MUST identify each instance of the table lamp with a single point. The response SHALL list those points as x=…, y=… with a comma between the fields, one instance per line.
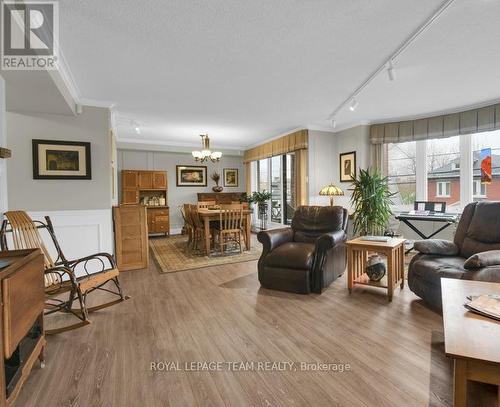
x=331, y=191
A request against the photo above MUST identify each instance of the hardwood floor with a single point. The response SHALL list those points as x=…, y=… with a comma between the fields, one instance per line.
x=395, y=350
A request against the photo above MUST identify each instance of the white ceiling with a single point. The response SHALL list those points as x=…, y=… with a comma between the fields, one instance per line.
x=245, y=71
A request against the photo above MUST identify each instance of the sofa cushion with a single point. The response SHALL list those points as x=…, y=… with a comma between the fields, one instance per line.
x=432, y=268
x=291, y=255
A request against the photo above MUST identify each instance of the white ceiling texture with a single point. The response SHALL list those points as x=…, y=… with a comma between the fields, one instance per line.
x=248, y=70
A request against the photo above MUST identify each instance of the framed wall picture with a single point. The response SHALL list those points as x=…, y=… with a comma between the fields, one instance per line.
x=54, y=159
x=347, y=166
x=191, y=175
x=230, y=177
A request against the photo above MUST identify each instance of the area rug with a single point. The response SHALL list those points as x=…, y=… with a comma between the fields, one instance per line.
x=172, y=254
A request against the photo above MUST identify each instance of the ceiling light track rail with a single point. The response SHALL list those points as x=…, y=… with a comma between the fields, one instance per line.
x=388, y=63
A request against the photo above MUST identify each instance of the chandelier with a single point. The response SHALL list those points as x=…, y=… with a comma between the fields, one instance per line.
x=205, y=152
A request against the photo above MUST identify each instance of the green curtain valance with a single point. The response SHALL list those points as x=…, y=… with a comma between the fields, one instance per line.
x=467, y=122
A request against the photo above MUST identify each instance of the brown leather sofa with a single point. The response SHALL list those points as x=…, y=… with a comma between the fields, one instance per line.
x=473, y=255
x=308, y=256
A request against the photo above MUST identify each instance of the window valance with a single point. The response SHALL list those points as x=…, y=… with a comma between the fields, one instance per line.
x=467, y=122
x=283, y=145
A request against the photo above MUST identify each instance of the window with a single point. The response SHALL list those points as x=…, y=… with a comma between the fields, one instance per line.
x=443, y=189
x=431, y=170
x=479, y=189
x=402, y=165
x=277, y=175
x=443, y=172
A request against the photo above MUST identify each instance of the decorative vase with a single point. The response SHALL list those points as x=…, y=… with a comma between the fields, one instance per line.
x=217, y=188
x=375, y=268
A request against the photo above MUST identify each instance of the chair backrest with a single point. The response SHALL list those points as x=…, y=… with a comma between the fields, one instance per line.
x=231, y=217
x=187, y=214
x=310, y=222
x=205, y=204
x=25, y=234
x=479, y=228
x=195, y=218
x=431, y=206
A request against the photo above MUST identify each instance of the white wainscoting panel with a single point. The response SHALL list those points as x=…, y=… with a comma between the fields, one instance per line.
x=80, y=232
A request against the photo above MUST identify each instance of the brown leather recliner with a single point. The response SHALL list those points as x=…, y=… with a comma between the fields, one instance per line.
x=307, y=257
x=477, y=240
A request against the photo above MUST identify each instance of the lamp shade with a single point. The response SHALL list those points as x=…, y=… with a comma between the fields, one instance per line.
x=331, y=191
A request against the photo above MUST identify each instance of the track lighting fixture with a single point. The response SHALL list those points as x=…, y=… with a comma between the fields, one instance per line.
x=353, y=105
x=391, y=72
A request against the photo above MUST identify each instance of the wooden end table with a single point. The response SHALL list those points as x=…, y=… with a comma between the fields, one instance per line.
x=357, y=257
x=470, y=339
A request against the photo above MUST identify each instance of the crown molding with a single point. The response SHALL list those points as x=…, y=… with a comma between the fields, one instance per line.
x=147, y=145
x=108, y=104
x=133, y=143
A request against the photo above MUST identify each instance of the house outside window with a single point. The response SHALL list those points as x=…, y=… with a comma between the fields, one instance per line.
x=479, y=189
x=443, y=189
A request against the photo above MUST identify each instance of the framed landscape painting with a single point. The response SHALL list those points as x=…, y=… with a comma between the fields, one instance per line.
x=54, y=159
x=230, y=177
x=347, y=166
x=191, y=175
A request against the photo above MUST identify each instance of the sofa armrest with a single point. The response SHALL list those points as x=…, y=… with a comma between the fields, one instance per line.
x=271, y=239
x=483, y=259
x=436, y=246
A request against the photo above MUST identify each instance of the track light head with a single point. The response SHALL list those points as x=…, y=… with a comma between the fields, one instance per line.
x=391, y=72
x=353, y=105
x=334, y=123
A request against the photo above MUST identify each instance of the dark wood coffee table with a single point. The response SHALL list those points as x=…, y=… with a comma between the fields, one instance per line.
x=473, y=341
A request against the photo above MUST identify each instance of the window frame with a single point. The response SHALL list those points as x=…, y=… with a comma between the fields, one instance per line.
x=476, y=182
x=439, y=189
x=465, y=167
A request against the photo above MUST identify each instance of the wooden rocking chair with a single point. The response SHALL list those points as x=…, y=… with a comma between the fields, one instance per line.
x=61, y=275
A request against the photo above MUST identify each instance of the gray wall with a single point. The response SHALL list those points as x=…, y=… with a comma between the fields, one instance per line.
x=52, y=195
x=324, y=150
x=3, y=143
x=166, y=161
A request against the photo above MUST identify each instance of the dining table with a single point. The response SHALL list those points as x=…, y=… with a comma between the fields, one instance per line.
x=208, y=215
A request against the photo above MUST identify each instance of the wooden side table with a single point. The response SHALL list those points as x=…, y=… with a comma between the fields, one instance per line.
x=357, y=256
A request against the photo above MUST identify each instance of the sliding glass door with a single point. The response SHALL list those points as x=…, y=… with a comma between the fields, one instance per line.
x=277, y=175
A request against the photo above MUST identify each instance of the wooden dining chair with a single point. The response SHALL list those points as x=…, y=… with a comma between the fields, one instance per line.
x=188, y=224
x=230, y=228
x=198, y=227
x=205, y=204
x=61, y=276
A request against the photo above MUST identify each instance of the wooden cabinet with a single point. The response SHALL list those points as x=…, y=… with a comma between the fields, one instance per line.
x=22, y=303
x=130, y=187
x=158, y=220
x=131, y=237
x=220, y=197
x=145, y=180
x=159, y=180
x=148, y=188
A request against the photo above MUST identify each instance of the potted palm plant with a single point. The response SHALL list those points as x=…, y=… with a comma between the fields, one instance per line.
x=371, y=200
